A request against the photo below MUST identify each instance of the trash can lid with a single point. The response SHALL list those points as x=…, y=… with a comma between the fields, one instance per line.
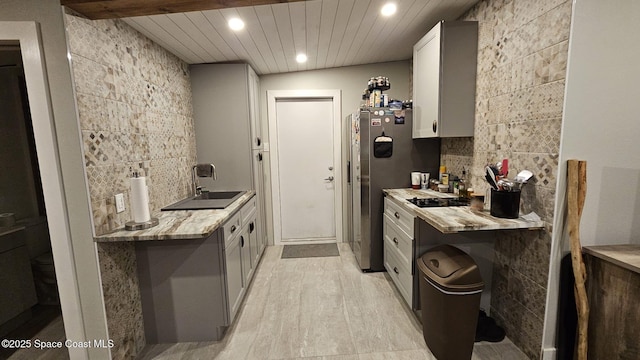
x=451, y=269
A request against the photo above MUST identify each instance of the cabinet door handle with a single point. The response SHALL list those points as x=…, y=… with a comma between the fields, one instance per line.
x=251, y=228
x=395, y=270
x=258, y=141
x=241, y=241
x=259, y=156
x=233, y=228
x=395, y=241
x=435, y=125
x=397, y=215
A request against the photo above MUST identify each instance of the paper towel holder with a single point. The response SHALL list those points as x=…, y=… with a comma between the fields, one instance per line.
x=132, y=225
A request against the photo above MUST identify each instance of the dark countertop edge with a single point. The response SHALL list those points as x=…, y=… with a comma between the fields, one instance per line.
x=604, y=252
x=236, y=206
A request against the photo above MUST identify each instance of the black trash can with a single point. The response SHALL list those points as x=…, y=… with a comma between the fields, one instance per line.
x=450, y=289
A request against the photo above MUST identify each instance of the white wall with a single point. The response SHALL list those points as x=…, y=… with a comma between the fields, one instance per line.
x=600, y=125
x=351, y=81
x=601, y=118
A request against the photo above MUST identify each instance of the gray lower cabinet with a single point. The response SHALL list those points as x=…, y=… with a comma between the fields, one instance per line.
x=235, y=289
x=240, y=254
x=245, y=249
x=183, y=289
x=192, y=289
x=398, y=237
x=256, y=247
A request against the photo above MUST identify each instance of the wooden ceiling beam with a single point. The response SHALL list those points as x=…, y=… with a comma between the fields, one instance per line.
x=111, y=9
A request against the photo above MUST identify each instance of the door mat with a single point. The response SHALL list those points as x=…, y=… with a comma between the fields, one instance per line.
x=313, y=250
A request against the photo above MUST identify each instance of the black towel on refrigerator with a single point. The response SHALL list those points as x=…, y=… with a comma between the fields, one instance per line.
x=383, y=146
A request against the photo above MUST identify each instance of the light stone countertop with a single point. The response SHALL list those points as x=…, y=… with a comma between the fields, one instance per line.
x=180, y=224
x=626, y=256
x=455, y=219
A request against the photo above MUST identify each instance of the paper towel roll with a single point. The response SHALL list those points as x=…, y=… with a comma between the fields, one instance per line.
x=139, y=200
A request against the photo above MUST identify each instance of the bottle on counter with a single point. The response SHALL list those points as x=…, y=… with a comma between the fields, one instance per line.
x=462, y=186
x=443, y=169
x=444, y=179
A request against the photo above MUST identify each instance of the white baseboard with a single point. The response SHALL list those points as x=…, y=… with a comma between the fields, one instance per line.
x=549, y=354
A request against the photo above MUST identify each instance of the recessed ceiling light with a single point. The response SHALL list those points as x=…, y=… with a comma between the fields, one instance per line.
x=388, y=9
x=236, y=24
x=301, y=58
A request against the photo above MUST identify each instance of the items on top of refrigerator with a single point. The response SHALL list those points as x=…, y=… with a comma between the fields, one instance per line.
x=395, y=105
x=373, y=96
x=379, y=83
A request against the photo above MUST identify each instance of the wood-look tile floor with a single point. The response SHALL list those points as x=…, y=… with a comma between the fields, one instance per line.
x=320, y=308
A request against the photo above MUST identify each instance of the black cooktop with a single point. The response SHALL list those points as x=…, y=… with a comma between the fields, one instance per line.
x=439, y=202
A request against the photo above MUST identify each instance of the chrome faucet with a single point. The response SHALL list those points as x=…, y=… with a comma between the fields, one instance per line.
x=201, y=170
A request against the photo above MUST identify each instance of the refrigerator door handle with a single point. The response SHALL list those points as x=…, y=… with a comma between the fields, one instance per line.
x=348, y=172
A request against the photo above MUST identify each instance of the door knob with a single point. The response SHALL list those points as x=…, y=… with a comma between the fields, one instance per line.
x=330, y=178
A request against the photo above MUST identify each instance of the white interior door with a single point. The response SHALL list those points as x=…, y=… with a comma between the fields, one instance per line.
x=305, y=141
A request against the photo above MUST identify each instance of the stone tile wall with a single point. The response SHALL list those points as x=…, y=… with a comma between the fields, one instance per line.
x=522, y=57
x=135, y=111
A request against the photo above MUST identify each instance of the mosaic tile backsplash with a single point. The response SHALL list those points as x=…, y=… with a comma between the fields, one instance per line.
x=522, y=58
x=134, y=103
x=135, y=111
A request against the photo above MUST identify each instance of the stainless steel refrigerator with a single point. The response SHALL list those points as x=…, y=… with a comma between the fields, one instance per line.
x=382, y=155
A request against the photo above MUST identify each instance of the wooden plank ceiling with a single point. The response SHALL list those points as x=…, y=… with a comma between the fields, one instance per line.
x=111, y=9
x=332, y=33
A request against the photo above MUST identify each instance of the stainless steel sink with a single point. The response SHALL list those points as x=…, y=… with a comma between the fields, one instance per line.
x=208, y=200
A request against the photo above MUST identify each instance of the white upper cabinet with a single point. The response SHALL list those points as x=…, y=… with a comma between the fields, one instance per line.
x=444, y=80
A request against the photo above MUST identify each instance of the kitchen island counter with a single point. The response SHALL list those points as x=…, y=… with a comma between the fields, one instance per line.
x=455, y=219
x=180, y=224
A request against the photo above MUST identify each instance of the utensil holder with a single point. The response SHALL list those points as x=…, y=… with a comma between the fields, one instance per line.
x=505, y=204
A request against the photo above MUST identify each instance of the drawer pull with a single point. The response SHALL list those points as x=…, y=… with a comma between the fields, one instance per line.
x=395, y=270
x=395, y=241
x=233, y=228
x=241, y=241
x=397, y=215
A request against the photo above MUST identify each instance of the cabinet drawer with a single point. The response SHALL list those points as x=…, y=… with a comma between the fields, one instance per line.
x=400, y=275
x=401, y=217
x=247, y=210
x=231, y=228
x=397, y=240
